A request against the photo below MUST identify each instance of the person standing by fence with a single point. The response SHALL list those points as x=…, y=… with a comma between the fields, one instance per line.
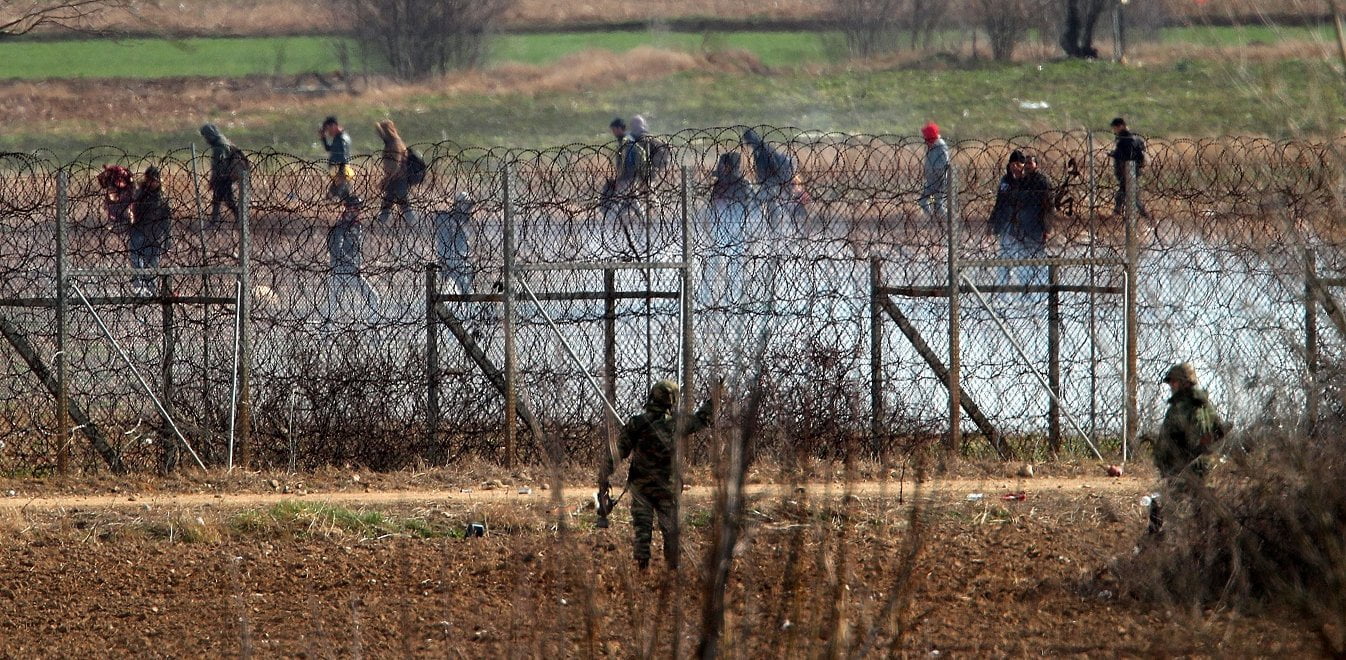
x=228, y=165
x=648, y=438
x=1020, y=216
x=936, y=190
x=1129, y=148
x=451, y=243
x=731, y=202
x=607, y=200
x=1181, y=451
x=338, y=145
x=345, y=244
x=150, y=229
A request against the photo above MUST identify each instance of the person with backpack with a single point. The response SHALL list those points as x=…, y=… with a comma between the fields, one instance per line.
x=936, y=189
x=396, y=182
x=1129, y=148
x=150, y=229
x=345, y=245
x=338, y=145
x=632, y=165
x=778, y=188
x=228, y=165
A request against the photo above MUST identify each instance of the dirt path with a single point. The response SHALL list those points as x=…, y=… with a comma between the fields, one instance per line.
x=990, y=488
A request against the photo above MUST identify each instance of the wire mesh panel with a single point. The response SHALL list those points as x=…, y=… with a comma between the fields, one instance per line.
x=350, y=339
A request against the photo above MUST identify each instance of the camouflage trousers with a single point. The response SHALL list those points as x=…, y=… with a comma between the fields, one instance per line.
x=1182, y=492
x=651, y=499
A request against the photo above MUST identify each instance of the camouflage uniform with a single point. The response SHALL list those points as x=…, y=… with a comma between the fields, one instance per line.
x=648, y=439
x=1190, y=426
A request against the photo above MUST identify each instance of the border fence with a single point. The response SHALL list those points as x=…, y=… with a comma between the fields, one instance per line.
x=489, y=329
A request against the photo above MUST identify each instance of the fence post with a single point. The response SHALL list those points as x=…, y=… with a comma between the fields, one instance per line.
x=245, y=322
x=62, y=325
x=431, y=356
x=1310, y=342
x=507, y=293
x=1054, y=358
x=610, y=334
x=1132, y=269
x=688, y=359
x=169, y=339
x=955, y=272
x=875, y=352
x=1092, y=191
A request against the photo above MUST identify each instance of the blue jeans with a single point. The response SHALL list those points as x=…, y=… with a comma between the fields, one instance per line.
x=1017, y=247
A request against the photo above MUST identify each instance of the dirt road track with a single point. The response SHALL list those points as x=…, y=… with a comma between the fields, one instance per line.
x=943, y=488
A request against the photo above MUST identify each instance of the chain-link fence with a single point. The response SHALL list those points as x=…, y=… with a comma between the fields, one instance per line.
x=355, y=344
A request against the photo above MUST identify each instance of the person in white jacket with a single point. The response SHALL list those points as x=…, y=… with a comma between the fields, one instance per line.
x=936, y=189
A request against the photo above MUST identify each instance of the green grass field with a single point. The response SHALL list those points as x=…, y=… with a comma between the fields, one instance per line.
x=226, y=57
x=223, y=57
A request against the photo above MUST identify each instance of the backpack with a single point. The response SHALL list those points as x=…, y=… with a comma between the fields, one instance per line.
x=1138, y=148
x=238, y=163
x=415, y=168
x=660, y=155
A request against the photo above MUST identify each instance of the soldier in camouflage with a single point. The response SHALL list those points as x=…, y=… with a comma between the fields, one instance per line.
x=648, y=439
x=1190, y=428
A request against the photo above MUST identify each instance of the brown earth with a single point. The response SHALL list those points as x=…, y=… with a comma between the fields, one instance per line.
x=187, y=576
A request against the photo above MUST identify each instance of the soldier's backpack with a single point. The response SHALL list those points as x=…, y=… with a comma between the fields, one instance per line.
x=661, y=154
x=415, y=168
x=238, y=164
x=1138, y=148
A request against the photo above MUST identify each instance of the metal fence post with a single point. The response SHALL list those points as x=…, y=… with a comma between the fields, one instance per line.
x=507, y=295
x=1054, y=358
x=1092, y=192
x=688, y=359
x=875, y=352
x=1132, y=269
x=245, y=322
x=169, y=341
x=1310, y=342
x=62, y=325
x=955, y=361
x=431, y=357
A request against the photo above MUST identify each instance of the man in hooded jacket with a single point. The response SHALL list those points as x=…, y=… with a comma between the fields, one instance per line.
x=936, y=189
x=225, y=170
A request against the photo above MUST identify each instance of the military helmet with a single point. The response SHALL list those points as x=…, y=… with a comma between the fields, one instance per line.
x=1182, y=373
x=664, y=392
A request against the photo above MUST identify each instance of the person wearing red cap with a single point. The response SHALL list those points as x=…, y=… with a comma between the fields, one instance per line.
x=936, y=171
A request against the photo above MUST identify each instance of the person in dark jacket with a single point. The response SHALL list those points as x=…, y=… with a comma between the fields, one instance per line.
x=225, y=170
x=338, y=145
x=345, y=244
x=777, y=189
x=150, y=230
x=1020, y=216
x=1129, y=148
x=648, y=439
x=451, y=243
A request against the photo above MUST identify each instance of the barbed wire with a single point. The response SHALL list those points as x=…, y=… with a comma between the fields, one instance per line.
x=342, y=365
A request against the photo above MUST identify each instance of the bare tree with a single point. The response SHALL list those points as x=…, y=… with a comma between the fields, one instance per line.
x=1077, y=28
x=420, y=38
x=873, y=27
x=1006, y=23
x=23, y=16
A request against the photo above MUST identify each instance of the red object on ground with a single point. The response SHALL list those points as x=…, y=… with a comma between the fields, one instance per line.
x=1010, y=497
x=1114, y=470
